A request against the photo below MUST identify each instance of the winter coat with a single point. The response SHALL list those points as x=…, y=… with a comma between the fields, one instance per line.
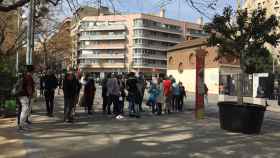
x=71, y=87
x=175, y=89
x=50, y=82
x=113, y=87
x=160, y=98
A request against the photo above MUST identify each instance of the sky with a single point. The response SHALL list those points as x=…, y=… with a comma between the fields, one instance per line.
x=177, y=9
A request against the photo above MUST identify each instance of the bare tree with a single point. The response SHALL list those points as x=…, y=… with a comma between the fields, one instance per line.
x=198, y=5
x=12, y=37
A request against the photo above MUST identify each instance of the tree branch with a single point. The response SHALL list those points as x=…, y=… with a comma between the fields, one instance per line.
x=20, y=3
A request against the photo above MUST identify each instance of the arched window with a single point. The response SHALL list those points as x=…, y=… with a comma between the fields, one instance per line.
x=180, y=67
x=171, y=60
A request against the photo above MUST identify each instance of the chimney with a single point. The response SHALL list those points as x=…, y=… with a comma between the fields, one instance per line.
x=200, y=21
x=162, y=12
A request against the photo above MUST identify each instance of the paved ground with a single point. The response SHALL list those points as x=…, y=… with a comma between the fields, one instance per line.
x=177, y=135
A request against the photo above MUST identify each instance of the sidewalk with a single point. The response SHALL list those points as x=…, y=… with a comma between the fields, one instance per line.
x=11, y=144
x=177, y=135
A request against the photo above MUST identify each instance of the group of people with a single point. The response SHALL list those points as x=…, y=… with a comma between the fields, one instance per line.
x=164, y=94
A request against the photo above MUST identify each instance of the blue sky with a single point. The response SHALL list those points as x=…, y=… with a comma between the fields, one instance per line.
x=177, y=9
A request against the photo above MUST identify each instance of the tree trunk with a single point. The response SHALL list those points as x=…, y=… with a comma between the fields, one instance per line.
x=241, y=77
x=240, y=87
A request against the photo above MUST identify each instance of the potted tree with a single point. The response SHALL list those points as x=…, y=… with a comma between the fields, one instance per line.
x=243, y=35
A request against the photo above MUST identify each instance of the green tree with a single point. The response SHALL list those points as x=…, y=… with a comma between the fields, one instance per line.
x=244, y=35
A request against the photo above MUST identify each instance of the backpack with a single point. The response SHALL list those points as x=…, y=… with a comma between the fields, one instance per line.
x=18, y=88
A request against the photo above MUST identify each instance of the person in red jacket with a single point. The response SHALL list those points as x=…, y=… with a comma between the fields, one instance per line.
x=24, y=98
x=167, y=94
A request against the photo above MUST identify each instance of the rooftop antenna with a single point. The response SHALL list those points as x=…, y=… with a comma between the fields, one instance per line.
x=99, y=6
x=238, y=5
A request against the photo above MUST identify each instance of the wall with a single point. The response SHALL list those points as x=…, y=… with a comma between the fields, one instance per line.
x=187, y=77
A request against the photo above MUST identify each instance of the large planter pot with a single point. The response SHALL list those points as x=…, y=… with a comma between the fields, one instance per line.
x=245, y=118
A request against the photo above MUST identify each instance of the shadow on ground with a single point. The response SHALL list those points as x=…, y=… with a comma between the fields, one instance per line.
x=177, y=135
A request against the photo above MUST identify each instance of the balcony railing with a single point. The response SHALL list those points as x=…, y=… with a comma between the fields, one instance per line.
x=102, y=37
x=156, y=28
x=145, y=65
x=158, y=38
x=103, y=46
x=153, y=57
x=102, y=56
x=153, y=47
x=102, y=65
x=103, y=28
x=192, y=34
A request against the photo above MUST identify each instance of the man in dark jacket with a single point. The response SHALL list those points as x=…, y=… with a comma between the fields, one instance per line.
x=50, y=84
x=104, y=93
x=141, y=87
x=70, y=90
x=133, y=95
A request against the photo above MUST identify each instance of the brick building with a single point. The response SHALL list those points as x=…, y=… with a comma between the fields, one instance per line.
x=181, y=65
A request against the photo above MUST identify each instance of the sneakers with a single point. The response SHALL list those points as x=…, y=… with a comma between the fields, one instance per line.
x=28, y=122
x=119, y=117
x=21, y=129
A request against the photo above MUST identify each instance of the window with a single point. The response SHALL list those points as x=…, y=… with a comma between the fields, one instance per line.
x=171, y=60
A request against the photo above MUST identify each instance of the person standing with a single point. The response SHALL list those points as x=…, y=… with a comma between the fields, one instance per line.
x=167, y=88
x=89, y=93
x=205, y=95
x=182, y=96
x=154, y=93
x=50, y=84
x=59, y=84
x=141, y=84
x=121, y=83
x=113, y=93
x=160, y=98
x=104, y=93
x=70, y=90
x=42, y=84
x=24, y=96
x=133, y=95
x=175, y=96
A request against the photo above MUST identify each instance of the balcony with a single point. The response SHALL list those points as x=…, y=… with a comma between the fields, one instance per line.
x=102, y=56
x=102, y=65
x=152, y=66
x=147, y=56
x=158, y=38
x=103, y=47
x=102, y=37
x=104, y=28
x=192, y=34
x=155, y=28
x=152, y=47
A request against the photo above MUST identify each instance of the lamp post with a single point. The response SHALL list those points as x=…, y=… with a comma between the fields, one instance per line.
x=30, y=35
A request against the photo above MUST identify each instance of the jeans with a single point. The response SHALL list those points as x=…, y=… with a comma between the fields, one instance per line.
x=68, y=108
x=181, y=103
x=105, y=103
x=167, y=104
x=25, y=110
x=49, y=97
x=133, y=107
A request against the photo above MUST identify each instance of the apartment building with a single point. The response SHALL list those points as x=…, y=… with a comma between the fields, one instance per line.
x=131, y=42
x=273, y=8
